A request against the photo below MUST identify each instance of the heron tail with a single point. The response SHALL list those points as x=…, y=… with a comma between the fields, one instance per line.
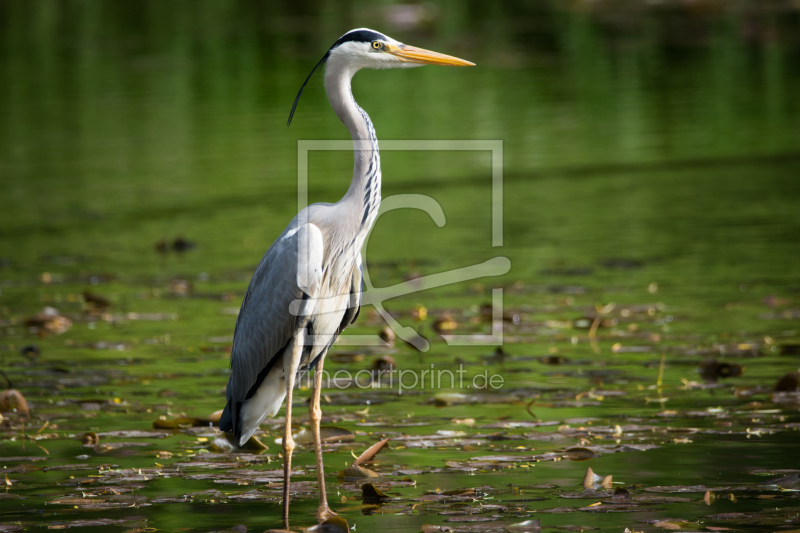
x=226, y=420
x=265, y=402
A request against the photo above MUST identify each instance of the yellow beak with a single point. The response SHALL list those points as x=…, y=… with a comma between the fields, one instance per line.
x=412, y=54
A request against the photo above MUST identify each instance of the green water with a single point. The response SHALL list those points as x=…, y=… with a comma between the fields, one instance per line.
x=650, y=159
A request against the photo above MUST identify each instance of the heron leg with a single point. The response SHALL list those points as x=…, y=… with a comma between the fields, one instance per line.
x=315, y=415
x=290, y=372
x=288, y=448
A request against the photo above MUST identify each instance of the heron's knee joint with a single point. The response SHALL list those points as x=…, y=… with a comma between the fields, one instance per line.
x=315, y=413
x=288, y=445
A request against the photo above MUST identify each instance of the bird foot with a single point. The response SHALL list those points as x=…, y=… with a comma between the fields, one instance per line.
x=324, y=512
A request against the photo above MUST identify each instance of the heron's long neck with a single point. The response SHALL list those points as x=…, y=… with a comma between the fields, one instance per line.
x=363, y=198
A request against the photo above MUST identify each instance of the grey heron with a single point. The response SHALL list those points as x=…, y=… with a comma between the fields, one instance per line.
x=315, y=264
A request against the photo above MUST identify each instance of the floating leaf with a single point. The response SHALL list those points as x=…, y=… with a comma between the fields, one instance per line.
x=370, y=452
x=681, y=488
x=590, y=480
x=372, y=494
x=789, y=349
x=523, y=527
x=444, y=323
x=787, y=382
x=12, y=401
x=432, y=528
x=445, y=399
x=180, y=423
x=621, y=496
x=790, y=481
x=579, y=453
x=676, y=525
x=387, y=335
x=326, y=434
x=356, y=472
x=472, y=519
x=384, y=363
x=95, y=301
x=711, y=370
x=48, y=319
x=94, y=522
x=505, y=458
x=135, y=433
x=90, y=439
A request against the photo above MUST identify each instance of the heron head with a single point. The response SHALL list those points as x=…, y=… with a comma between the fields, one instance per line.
x=365, y=48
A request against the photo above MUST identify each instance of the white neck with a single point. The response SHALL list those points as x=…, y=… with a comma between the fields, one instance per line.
x=364, y=195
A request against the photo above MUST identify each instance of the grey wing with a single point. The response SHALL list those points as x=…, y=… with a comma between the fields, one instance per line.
x=356, y=290
x=290, y=271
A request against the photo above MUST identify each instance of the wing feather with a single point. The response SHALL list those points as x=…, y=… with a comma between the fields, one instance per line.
x=356, y=289
x=290, y=270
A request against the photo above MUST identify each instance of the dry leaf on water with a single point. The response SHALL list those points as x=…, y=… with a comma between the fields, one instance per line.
x=326, y=434
x=90, y=439
x=180, y=423
x=676, y=525
x=384, y=363
x=444, y=324
x=12, y=401
x=95, y=302
x=621, y=496
x=590, y=480
x=579, y=453
x=372, y=494
x=48, y=319
x=370, y=452
x=356, y=472
x=387, y=335
x=524, y=527
x=788, y=382
x=711, y=370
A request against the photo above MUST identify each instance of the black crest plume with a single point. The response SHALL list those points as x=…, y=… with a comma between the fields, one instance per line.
x=361, y=35
x=297, y=100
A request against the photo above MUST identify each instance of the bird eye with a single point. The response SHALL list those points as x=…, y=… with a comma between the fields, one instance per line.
x=377, y=45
